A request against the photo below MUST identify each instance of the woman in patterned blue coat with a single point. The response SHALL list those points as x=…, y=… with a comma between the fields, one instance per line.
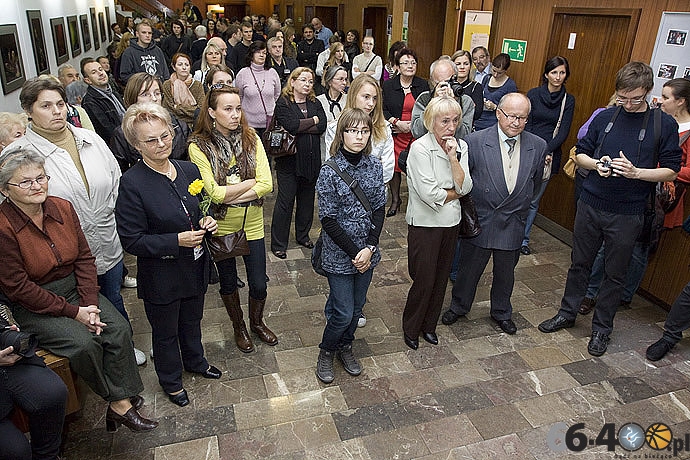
x=350, y=237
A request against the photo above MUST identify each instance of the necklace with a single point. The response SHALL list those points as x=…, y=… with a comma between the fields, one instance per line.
x=405, y=87
x=167, y=174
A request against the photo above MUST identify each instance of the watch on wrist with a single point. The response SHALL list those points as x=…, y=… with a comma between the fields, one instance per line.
x=371, y=247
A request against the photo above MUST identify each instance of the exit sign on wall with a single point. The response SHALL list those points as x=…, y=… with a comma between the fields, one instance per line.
x=515, y=49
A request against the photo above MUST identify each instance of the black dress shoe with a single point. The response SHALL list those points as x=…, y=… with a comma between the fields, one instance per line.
x=307, y=244
x=506, y=325
x=137, y=401
x=449, y=317
x=280, y=254
x=132, y=420
x=181, y=399
x=598, y=344
x=392, y=211
x=211, y=373
x=430, y=337
x=556, y=323
x=525, y=250
x=412, y=343
x=658, y=349
x=240, y=283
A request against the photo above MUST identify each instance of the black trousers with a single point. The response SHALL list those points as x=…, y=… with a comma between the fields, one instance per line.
x=290, y=189
x=430, y=252
x=175, y=331
x=619, y=233
x=43, y=396
x=678, y=318
x=473, y=260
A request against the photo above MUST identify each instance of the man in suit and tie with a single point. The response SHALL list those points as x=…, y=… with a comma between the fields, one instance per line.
x=506, y=164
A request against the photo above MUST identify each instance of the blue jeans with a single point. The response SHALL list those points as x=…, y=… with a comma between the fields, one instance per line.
x=347, y=296
x=110, y=283
x=636, y=269
x=255, y=263
x=533, y=208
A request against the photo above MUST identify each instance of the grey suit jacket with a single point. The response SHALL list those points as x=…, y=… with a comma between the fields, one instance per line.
x=501, y=214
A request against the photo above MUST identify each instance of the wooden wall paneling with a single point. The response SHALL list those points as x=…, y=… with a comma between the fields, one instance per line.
x=424, y=36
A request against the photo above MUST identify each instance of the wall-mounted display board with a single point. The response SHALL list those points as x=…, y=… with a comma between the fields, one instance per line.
x=671, y=57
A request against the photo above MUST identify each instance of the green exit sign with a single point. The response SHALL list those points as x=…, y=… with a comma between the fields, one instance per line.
x=515, y=49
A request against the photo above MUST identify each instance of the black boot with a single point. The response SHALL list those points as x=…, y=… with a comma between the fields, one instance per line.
x=232, y=305
x=256, y=322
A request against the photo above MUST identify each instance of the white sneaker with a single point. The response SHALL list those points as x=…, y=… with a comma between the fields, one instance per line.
x=140, y=356
x=362, y=321
x=129, y=282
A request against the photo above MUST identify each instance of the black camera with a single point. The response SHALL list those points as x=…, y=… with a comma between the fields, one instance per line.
x=456, y=87
x=22, y=343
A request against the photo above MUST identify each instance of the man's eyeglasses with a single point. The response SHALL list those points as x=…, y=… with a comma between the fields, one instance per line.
x=478, y=58
x=358, y=132
x=630, y=100
x=513, y=118
x=154, y=142
x=28, y=183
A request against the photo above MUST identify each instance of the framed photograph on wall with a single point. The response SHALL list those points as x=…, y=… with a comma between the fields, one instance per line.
x=107, y=23
x=73, y=28
x=94, y=26
x=57, y=26
x=101, y=25
x=85, y=32
x=38, y=41
x=12, y=70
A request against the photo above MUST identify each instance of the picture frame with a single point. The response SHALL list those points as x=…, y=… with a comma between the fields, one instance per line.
x=73, y=29
x=94, y=28
x=676, y=37
x=85, y=32
x=667, y=71
x=57, y=26
x=38, y=42
x=12, y=69
x=107, y=23
x=101, y=25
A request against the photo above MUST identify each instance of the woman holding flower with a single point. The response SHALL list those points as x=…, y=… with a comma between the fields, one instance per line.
x=159, y=221
x=236, y=176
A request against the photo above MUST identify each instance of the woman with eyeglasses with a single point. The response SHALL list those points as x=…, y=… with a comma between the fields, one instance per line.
x=84, y=172
x=236, y=176
x=367, y=62
x=48, y=278
x=159, y=221
x=399, y=96
x=143, y=87
x=550, y=118
x=182, y=93
x=495, y=87
x=350, y=237
x=298, y=111
x=333, y=99
x=259, y=86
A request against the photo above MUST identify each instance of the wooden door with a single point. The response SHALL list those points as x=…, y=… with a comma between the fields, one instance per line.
x=423, y=18
x=234, y=10
x=603, y=43
x=328, y=15
x=375, y=19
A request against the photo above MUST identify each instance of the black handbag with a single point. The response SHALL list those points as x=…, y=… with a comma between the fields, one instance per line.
x=469, y=221
x=402, y=158
x=278, y=142
x=231, y=245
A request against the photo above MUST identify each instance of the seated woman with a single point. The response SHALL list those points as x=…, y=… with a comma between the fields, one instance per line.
x=49, y=276
x=159, y=221
x=27, y=383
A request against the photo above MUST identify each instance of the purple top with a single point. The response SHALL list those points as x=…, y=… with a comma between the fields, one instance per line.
x=583, y=129
x=268, y=82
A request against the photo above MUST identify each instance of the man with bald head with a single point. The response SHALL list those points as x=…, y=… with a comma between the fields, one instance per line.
x=321, y=32
x=506, y=164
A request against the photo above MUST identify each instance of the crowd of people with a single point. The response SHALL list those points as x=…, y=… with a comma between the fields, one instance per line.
x=158, y=146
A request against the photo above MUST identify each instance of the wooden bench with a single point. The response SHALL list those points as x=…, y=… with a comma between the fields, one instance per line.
x=60, y=366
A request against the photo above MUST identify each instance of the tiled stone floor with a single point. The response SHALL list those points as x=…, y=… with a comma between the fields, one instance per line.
x=479, y=394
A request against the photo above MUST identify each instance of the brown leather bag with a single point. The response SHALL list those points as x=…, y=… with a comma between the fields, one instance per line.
x=231, y=245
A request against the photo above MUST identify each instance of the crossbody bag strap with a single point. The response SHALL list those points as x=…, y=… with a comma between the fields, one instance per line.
x=683, y=138
x=259, y=90
x=352, y=183
x=560, y=116
x=367, y=67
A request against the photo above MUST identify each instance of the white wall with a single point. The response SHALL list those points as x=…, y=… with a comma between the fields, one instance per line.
x=14, y=12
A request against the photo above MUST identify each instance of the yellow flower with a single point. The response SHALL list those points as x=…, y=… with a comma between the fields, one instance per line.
x=196, y=187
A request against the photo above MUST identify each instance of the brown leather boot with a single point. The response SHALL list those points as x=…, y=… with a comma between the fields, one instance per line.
x=256, y=322
x=232, y=305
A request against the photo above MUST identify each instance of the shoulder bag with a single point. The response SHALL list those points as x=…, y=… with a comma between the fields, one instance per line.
x=278, y=142
x=231, y=245
x=547, y=168
x=316, y=252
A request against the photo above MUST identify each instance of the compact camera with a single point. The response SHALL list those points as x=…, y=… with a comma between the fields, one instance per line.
x=23, y=343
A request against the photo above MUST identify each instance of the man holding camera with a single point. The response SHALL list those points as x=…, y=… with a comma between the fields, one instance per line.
x=631, y=148
x=442, y=82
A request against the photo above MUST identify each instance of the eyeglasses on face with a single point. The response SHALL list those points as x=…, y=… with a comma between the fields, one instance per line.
x=406, y=63
x=358, y=132
x=152, y=143
x=513, y=118
x=306, y=81
x=28, y=183
x=478, y=57
x=630, y=100
x=220, y=85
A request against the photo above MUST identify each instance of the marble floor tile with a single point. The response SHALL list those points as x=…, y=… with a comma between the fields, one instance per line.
x=509, y=446
x=544, y=410
x=447, y=433
x=290, y=382
x=362, y=421
x=543, y=357
x=503, y=364
x=195, y=449
x=403, y=443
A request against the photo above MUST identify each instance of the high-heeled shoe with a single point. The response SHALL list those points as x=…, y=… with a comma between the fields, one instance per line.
x=132, y=420
x=393, y=210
